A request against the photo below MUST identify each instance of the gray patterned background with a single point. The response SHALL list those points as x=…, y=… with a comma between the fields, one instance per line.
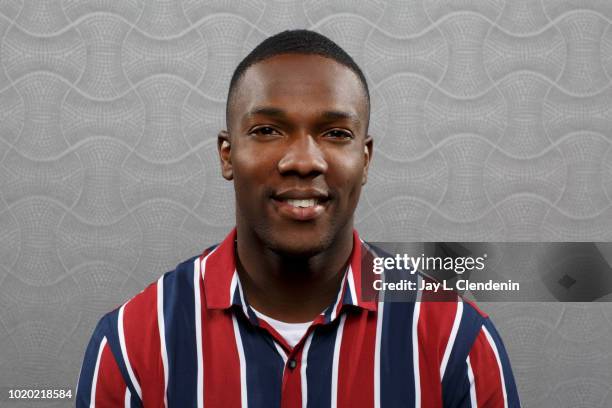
x=492, y=121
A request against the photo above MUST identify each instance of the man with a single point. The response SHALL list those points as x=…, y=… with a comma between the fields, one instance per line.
x=273, y=316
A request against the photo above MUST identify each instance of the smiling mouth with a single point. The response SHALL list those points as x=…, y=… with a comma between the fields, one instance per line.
x=302, y=208
x=302, y=203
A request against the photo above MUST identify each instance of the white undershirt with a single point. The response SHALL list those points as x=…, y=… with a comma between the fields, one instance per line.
x=291, y=332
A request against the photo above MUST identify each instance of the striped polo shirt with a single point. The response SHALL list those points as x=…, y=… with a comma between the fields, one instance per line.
x=191, y=340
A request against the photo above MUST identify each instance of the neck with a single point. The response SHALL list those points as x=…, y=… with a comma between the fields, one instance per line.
x=289, y=288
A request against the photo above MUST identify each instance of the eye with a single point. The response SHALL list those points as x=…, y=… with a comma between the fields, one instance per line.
x=264, y=131
x=339, y=134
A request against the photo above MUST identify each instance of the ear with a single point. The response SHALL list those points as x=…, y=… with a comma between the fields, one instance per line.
x=368, y=150
x=224, y=146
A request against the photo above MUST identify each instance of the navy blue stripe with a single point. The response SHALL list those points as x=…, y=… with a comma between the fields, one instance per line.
x=264, y=366
x=511, y=391
x=396, y=364
x=252, y=316
x=462, y=390
x=319, y=365
x=236, y=297
x=179, y=320
x=456, y=369
x=134, y=400
x=347, y=299
x=237, y=301
x=83, y=395
x=113, y=341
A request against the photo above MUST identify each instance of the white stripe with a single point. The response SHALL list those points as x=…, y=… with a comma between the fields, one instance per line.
x=304, y=389
x=452, y=337
x=199, y=271
x=336, y=361
x=338, y=299
x=92, y=401
x=202, y=266
x=420, y=292
x=127, y=400
x=351, y=283
x=379, y=323
x=243, y=382
x=236, y=282
x=415, y=353
x=124, y=352
x=233, y=285
x=281, y=352
x=472, y=383
x=161, y=325
x=499, y=365
x=377, y=347
x=197, y=265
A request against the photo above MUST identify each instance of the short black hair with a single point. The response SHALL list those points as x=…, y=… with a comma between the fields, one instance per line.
x=296, y=42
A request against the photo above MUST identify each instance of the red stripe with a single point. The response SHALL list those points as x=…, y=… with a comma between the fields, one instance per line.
x=221, y=361
x=143, y=345
x=292, y=383
x=434, y=327
x=343, y=290
x=486, y=373
x=355, y=371
x=220, y=267
x=110, y=387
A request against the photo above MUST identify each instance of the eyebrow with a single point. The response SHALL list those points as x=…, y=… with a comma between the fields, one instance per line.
x=330, y=115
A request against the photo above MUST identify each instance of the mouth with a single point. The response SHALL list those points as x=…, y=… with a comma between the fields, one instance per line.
x=301, y=206
x=302, y=203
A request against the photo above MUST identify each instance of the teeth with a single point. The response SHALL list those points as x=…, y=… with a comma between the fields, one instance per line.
x=311, y=202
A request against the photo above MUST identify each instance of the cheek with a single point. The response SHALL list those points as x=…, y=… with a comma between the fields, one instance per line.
x=251, y=162
x=253, y=172
x=348, y=173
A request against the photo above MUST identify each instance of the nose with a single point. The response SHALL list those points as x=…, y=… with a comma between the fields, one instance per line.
x=303, y=157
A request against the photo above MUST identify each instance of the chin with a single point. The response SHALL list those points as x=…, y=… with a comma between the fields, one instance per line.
x=293, y=246
x=298, y=249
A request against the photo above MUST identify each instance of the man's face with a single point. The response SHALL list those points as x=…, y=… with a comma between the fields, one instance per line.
x=297, y=150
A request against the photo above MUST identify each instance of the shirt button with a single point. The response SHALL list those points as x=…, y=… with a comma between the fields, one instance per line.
x=292, y=364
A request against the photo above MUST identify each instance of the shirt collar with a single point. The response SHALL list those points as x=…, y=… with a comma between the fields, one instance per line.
x=222, y=287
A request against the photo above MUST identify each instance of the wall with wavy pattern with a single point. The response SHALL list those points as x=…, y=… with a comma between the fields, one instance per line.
x=492, y=121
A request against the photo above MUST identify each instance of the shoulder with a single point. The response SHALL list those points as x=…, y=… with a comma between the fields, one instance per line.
x=452, y=321
x=141, y=312
x=438, y=312
x=450, y=315
x=136, y=322
x=170, y=294
x=135, y=330
x=446, y=325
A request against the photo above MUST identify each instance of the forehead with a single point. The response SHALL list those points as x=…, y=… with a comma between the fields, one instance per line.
x=298, y=83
